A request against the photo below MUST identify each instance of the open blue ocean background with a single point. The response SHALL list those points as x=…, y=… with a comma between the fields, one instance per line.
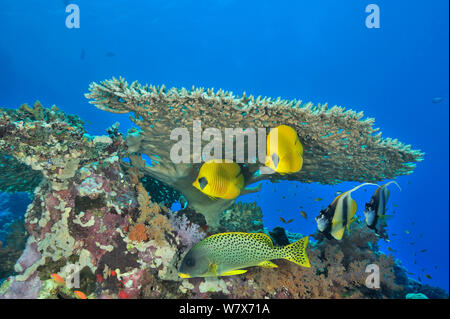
x=319, y=51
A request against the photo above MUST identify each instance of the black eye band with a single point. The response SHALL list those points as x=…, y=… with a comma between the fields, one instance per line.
x=203, y=182
x=275, y=160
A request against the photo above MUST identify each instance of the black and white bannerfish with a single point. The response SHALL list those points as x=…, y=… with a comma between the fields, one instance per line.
x=339, y=215
x=375, y=210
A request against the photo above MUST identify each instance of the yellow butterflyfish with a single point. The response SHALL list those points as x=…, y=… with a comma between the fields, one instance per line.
x=220, y=179
x=284, y=150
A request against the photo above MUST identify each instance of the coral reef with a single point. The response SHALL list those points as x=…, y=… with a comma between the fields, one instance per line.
x=339, y=145
x=91, y=217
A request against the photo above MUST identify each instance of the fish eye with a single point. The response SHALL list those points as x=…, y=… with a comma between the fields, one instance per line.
x=202, y=182
x=190, y=262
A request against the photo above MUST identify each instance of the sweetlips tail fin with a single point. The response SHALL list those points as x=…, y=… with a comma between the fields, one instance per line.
x=296, y=252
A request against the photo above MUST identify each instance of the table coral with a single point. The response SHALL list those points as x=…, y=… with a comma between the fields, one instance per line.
x=339, y=144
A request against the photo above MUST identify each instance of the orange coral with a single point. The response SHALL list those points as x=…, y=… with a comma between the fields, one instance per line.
x=151, y=214
x=138, y=233
x=157, y=229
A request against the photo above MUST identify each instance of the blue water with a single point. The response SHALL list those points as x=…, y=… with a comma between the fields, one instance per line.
x=319, y=51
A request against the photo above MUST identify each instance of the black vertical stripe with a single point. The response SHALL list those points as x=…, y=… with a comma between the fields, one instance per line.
x=381, y=202
x=344, y=211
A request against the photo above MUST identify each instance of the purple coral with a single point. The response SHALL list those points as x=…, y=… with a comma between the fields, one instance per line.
x=188, y=232
x=28, y=289
x=29, y=256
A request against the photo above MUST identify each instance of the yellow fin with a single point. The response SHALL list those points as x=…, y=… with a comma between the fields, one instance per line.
x=213, y=268
x=351, y=217
x=234, y=272
x=338, y=232
x=267, y=264
x=353, y=209
x=296, y=252
x=263, y=238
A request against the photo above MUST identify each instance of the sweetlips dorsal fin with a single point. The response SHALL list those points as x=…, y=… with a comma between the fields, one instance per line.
x=261, y=237
x=258, y=236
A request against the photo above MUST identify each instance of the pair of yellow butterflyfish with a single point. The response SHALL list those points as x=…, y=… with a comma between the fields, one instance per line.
x=224, y=179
